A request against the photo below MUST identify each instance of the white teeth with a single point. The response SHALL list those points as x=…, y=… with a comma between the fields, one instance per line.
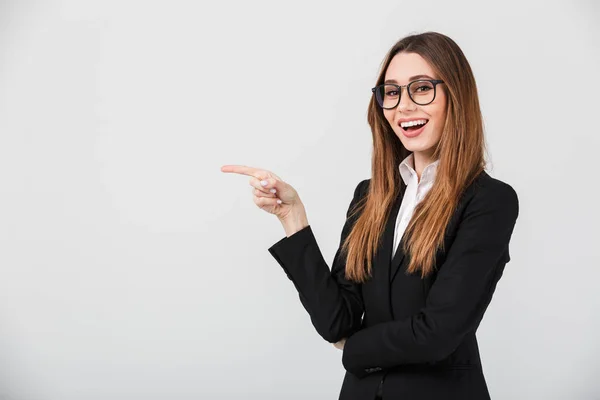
x=413, y=123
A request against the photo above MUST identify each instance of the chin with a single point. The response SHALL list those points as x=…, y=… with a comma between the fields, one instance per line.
x=422, y=143
x=414, y=147
x=416, y=144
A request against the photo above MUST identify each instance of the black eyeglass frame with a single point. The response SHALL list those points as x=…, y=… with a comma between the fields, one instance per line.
x=434, y=82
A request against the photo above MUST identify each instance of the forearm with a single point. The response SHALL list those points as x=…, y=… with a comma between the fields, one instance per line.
x=394, y=343
x=335, y=307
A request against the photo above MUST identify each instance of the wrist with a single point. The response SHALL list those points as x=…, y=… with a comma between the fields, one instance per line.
x=295, y=221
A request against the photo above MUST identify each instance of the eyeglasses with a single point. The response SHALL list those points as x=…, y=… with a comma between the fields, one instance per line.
x=421, y=92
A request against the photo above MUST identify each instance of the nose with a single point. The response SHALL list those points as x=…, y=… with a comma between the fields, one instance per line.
x=406, y=103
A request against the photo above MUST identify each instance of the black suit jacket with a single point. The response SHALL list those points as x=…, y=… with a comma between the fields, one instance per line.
x=418, y=335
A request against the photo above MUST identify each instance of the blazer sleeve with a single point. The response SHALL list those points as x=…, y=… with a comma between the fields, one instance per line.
x=458, y=297
x=335, y=304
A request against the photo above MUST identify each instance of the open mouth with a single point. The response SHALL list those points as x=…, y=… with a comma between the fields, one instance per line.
x=413, y=125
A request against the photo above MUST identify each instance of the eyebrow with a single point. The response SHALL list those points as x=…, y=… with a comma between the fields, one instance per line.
x=412, y=78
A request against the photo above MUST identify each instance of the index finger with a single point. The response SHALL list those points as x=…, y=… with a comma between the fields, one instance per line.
x=242, y=169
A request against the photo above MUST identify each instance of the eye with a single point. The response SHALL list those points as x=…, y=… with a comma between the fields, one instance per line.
x=423, y=88
x=391, y=93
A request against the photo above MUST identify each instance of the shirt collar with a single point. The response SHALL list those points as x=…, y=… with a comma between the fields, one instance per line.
x=407, y=170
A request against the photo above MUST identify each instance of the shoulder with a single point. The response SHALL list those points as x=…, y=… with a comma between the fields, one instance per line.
x=488, y=193
x=361, y=188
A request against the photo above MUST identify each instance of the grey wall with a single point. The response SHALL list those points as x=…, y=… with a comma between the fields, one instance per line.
x=131, y=267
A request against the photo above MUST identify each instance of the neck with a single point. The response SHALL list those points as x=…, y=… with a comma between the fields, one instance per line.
x=422, y=160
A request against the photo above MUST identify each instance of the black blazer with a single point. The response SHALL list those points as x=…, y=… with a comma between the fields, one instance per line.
x=418, y=335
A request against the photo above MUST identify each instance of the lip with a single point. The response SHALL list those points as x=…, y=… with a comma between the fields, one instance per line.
x=412, y=134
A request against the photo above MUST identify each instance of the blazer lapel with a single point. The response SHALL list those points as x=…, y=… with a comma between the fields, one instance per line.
x=399, y=255
x=397, y=261
x=390, y=266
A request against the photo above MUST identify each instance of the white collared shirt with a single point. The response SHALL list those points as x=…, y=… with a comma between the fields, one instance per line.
x=415, y=191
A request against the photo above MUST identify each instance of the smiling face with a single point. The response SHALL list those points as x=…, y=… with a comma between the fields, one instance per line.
x=404, y=68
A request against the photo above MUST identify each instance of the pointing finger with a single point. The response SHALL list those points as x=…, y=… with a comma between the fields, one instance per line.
x=241, y=169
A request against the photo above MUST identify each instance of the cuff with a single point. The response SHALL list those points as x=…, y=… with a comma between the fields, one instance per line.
x=289, y=249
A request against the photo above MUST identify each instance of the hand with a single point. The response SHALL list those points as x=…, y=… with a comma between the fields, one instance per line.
x=340, y=344
x=263, y=197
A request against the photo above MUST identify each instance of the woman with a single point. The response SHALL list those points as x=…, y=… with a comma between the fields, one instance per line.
x=425, y=240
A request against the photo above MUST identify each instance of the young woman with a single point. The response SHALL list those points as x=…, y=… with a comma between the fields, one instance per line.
x=425, y=240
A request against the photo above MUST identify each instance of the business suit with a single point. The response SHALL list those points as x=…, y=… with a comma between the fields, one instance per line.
x=418, y=334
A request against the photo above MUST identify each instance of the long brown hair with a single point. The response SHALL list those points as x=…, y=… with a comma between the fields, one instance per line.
x=460, y=150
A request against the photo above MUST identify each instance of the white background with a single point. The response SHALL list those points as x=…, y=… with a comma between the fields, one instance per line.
x=131, y=267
